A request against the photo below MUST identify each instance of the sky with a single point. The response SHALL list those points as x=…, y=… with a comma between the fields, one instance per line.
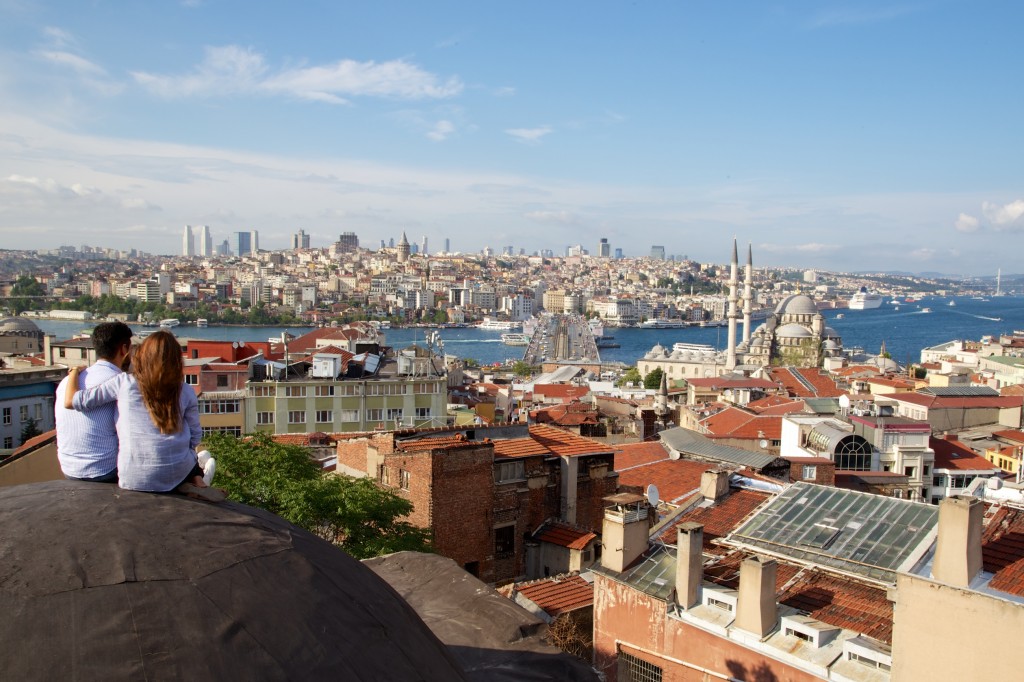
x=843, y=136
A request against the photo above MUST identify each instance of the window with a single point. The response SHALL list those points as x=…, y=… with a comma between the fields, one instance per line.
x=295, y=391
x=799, y=635
x=61, y=353
x=939, y=481
x=910, y=472
x=394, y=413
x=719, y=604
x=509, y=471
x=809, y=472
x=262, y=391
x=375, y=415
x=297, y=417
x=349, y=389
x=423, y=413
x=403, y=479
x=38, y=411
x=324, y=416
x=23, y=411
x=222, y=381
x=8, y=443
x=192, y=379
x=424, y=388
x=869, y=662
x=7, y=415
x=264, y=417
x=505, y=542
x=324, y=391
x=633, y=669
x=386, y=389
x=219, y=406
x=350, y=415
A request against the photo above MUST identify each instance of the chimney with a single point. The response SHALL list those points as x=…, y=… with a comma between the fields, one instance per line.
x=958, y=548
x=756, y=609
x=625, y=531
x=689, y=563
x=714, y=484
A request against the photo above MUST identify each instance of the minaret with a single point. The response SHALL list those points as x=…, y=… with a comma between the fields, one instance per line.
x=734, y=285
x=661, y=401
x=748, y=293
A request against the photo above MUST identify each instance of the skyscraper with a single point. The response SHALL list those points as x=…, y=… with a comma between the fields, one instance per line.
x=658, y=252
x=243, y=244
x=447, y=245
x=604, y=249
x=205, y=241
x=300, y=240
x=423, y=249
x=188, y=246
x=349, y=241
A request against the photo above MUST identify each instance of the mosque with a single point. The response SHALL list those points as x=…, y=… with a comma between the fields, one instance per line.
x=794, y=335
x=20, y=336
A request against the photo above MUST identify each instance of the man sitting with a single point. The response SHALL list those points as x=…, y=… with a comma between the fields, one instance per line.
x=87, y=441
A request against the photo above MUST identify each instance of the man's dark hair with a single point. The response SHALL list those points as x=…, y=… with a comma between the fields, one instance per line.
x=108, y=337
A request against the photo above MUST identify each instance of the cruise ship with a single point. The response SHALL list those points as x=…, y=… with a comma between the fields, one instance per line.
x=865, y=300
x=662, y=323
x=493, y=325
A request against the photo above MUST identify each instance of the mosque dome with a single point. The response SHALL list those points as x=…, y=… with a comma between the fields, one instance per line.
x=757, y=341
x=19, y=325
x=830, y=345
x=113, y=584
x=797, y=304
x=793, y=331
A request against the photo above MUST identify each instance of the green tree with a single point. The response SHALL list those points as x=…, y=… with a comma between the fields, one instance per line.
x=632, y=376
x=30, y=430
x=653, y=378
x=522, y=369
x=362, y=518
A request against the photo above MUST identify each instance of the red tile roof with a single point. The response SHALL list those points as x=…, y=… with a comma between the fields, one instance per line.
x=634, y=454
x=443, y=442
x=676, y=479
x=720, y=518
x=821, y=385
x=836, y=600
x=564, y=535
x=519, y=447
x=723, y=383
x=565, y=443
x=952, y=454
x=572, y=414
x=1002, y=550
x=937, y=402
x=734, y=422
x=1010, y=434
x=560, y=594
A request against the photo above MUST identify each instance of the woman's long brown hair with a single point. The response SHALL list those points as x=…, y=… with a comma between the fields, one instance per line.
x=160, y=372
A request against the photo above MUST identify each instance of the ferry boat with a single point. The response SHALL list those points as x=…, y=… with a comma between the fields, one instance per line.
x=202, y=323
x=490, y=324
x=865, y=300
x=170, y=322
x=515, y=339
x=926, y=310
x=662, y=323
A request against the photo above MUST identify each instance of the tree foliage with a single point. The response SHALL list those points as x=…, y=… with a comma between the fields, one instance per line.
x=356, y=514
x=653, y=378
x=631, y=376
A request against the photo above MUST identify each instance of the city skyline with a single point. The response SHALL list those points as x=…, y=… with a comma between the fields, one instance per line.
x=839, y=137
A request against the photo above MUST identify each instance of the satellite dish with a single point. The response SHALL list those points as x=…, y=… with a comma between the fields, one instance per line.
x=241, y=344
x=652, y=495
x=763, y=443
x=234, y=344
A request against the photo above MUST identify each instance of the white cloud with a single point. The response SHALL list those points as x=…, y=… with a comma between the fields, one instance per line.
x=1008, y=217
x=853, y=16
x=58, y=37
x=812, y=247
x=233, y=69
x=78, y=64
x=529, y=135
x=923, y=254
x=967, y=223
x=441, y=131
x=504, y=91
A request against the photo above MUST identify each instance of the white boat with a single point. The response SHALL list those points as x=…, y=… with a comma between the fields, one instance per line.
x=840, y=316
x=865, y=300
x=493, y=325
x=926, y=310
x=515, y=339
x=202, y=323
x=168, y=323
x=662, y=323
x=952, y=303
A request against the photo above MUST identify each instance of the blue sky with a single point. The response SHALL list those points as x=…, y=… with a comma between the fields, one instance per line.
x=841, y=136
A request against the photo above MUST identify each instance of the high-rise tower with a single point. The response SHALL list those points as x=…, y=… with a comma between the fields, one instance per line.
x=188, y=245
x=734, y=284
x=204, y=241
x=403, y=249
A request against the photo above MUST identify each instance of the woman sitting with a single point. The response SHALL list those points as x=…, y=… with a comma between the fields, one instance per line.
x=157, y=423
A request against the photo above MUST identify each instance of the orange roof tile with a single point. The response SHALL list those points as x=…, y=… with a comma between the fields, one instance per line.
x=952, y=454
x=564, y=535
x=519, y=447
x=565, y=443
x=634, y=454
x=560, y=594
x=1002, y=550
x=676, y=479
x=720, y=518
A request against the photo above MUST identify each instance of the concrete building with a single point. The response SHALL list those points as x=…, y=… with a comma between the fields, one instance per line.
x=26, y=397
x=188, y=245
x=204, y=240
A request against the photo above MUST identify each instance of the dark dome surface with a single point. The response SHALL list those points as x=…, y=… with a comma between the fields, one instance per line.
x=102, y=583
